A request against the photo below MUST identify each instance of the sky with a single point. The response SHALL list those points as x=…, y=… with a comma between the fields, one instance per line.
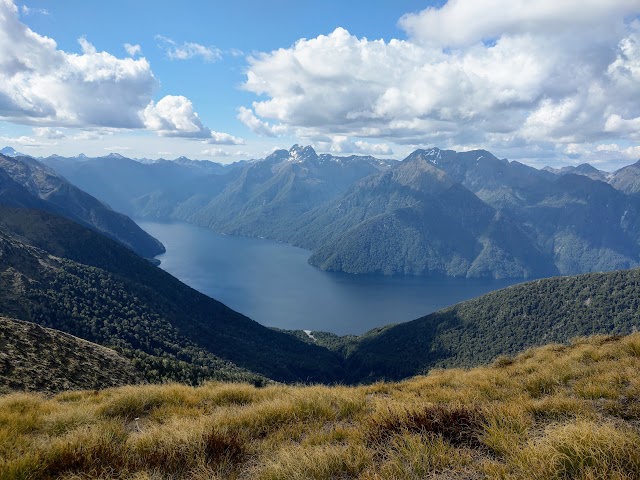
x=546, y=82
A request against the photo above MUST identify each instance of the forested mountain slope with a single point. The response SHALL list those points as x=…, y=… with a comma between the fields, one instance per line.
x=118, y=299
x=502, y=322
x=26, y=182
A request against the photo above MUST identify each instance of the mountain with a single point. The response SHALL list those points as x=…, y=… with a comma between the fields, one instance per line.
x=585, y=225
x=26, y=182
x=520, y=218
x=468, y=214
x=40, y=359
x=152, y=188
x=60, y=275
x=11, y=152
x=120, y=181
x=584, y=169
x=627, y=179
x=500, y=183
x=267, y=197
x=415, y=219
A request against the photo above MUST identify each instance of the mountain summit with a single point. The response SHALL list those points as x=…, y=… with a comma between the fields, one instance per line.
x=11, y=152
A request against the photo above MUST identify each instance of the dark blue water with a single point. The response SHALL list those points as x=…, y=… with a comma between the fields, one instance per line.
x=272, y=283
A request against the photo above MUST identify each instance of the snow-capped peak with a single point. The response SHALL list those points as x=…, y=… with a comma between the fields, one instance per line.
x=297, y=153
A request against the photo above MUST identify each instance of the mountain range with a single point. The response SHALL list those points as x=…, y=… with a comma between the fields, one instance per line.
x=437, y=212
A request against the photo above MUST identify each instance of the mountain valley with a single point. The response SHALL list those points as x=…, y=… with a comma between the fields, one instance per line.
x=437, y=212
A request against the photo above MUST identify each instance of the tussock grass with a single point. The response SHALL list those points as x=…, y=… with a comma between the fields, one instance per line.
x=557, y=412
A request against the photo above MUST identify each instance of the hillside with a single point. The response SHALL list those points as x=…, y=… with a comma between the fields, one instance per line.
x=77, y=281
x=33, y=358
x=557, y=412
x=415, y=219
x=627, y=179
x=24, y=182
x=501, y=322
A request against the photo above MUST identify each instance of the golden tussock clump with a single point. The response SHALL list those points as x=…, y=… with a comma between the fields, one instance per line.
x=556, y=412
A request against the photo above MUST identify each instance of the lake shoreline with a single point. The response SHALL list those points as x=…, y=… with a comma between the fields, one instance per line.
x=272, y=282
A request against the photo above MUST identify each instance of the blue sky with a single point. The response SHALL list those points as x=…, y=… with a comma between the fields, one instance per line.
x=542, y=81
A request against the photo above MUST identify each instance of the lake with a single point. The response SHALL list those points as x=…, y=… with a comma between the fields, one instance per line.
x=272, y=283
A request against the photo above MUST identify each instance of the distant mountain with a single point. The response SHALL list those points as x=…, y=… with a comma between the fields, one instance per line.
x=584, y=169
x=500, y=183
x=60, y=275
x=585, y=225
x=26, y=182
x=40, y=359
x=415, y=219
x=120, y=182
x=627, y=179
x=11, y=152
x=268, y=197
x=468, y=214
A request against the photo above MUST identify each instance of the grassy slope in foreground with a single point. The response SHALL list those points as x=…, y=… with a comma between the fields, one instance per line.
x=46, y=360
x=556, y=412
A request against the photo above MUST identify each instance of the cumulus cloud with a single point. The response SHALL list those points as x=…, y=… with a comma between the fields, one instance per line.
x=222, y=153
x=173, y=116
x=26, y=141
x=499, y=73
x=342, y=144
x=48, y=132
x=133, y=50
x=187, y=50
x=44, y=86
x=41, y=84
x=464, y=22
x=246, y=116
x=627, y=153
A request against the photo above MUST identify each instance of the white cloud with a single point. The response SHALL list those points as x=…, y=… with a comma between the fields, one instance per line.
x=627, y=153
x=545, y=73
x=465, y=22
x=133, y=50
x=222, y=153
x=26, y=141
x=173, y=116
x=40, y=84
x=90, y=135
x=187, y=50
x=216, y=152
x=48, y=132
x=342, y=144
x=31, y=11
x=44, y=86
x=117, y=148
x=246, y=116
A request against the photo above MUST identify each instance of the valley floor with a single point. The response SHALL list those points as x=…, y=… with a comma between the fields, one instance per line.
x=556, y=412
